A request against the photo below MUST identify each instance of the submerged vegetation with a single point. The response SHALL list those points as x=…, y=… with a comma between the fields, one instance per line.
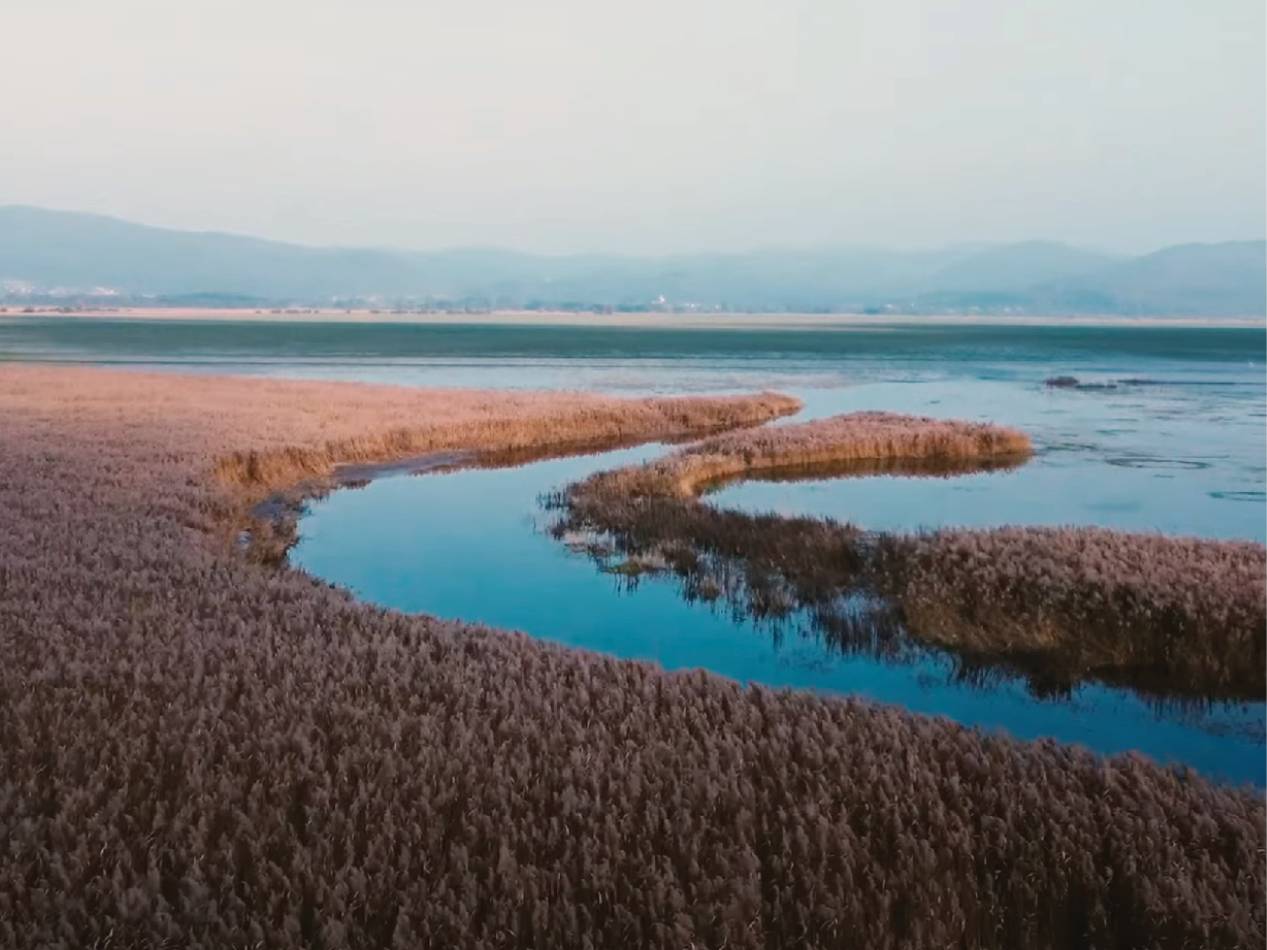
x=1177, y=616
x=196, y=750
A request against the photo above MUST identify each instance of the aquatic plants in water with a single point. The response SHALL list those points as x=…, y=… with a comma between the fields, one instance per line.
x=1173, y=615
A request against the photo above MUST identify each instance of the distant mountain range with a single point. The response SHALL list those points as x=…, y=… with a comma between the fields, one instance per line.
x=84, y=259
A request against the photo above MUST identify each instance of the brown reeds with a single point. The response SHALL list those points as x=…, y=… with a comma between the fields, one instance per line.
x=199, y=752
x=1172, y=615
x=567, y=422
x=857, y=437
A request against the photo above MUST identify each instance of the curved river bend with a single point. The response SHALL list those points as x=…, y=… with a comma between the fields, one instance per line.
x=472, y=545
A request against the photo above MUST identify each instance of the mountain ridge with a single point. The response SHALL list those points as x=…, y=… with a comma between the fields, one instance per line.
x=81, y=255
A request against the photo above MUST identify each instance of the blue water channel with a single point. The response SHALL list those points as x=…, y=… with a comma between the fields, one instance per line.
x=472, y=544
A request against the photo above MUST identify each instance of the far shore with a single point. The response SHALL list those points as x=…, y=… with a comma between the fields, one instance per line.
x=657, y=320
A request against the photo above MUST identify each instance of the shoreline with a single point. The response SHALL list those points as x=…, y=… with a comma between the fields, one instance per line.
x=658, y=321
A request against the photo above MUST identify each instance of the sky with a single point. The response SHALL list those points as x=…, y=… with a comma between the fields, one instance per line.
x=661, y=126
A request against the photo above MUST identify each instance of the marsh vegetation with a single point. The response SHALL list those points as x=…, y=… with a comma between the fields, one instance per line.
x=1178, y=616
x=203, y=751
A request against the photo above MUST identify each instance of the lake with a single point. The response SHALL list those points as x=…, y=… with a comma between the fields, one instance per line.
x=1169, y=437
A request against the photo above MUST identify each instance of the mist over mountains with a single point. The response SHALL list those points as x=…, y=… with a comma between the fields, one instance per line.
x=85, y=259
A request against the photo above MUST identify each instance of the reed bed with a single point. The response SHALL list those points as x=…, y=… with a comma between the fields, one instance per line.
x=500, y=426
x=1165, y=613
x=199, y=751
x=1180, y=616
x=856, y=437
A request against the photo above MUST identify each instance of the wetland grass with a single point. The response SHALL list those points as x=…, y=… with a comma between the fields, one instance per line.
x=200, y=751
x=1180, y=616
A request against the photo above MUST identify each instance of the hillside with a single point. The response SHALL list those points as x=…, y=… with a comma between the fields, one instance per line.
x=54, y=255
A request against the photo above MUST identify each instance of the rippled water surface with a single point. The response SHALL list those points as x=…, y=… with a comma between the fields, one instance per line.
x=1174, y=442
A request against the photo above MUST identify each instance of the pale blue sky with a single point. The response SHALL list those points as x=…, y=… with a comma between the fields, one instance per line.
x=656, y=126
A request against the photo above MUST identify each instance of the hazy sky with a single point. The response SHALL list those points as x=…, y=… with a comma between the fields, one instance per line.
x=648, y=126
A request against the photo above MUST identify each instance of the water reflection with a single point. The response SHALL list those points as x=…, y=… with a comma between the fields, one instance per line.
x=475, y=545
x=910, y=468
x=849, y=591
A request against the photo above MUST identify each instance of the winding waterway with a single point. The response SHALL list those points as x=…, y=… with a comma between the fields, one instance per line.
x=472, y=544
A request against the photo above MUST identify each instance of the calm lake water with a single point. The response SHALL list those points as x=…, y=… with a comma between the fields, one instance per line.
x=1177, y=445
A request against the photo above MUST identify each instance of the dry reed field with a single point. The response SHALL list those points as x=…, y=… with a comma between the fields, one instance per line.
x=198, y=750
x=1175, y=615
x=1171, y=615
x=856, y=437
